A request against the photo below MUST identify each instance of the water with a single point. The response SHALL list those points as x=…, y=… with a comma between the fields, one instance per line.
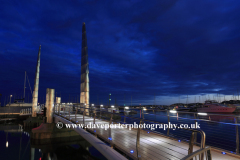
x=16, y=145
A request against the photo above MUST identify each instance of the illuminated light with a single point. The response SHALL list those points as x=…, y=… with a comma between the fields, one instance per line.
x=172, y=111
x=101, y=105
x=179, y=140
x=112, y=106
x=126, y=107
x=203, y=114
x=76, y=121
x=131, y=151
x=39, y=150
x=7, y=144
x=144, y=109
x=110, y=138
x=224, y=153
x=148, y=132
x=92, y=104
x=109, y=94
x=94, y=130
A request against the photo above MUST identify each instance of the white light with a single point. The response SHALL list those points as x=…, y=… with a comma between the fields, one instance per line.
x=144, y=109
x=203, y=114
x=101, y=105
x=10, y=95
x=172, y=111
x=112, y=106
x=126, y=107
x=7, y=144
x=92, y=104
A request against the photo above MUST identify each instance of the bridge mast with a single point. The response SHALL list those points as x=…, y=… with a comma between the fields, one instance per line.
x=36, y=86
x=84, y=96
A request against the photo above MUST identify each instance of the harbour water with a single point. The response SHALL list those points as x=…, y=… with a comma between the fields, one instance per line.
x=16, y=145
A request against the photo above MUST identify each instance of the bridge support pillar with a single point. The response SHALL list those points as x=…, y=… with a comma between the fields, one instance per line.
x=50, y=104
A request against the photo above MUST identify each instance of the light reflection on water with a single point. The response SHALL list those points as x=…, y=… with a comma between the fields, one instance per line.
x=16, y=145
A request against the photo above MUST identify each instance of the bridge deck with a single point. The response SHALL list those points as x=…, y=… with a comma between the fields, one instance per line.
x=152, y=145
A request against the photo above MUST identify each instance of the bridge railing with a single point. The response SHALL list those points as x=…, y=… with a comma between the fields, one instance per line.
x=222, y=129
x=212, y=124
x=204, y=154
x=26, y=111
x=70, y=112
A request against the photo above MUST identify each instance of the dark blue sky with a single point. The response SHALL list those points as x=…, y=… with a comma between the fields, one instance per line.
x=169, y=48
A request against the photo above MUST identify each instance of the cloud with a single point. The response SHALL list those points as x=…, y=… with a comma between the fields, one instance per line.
x=139, y=48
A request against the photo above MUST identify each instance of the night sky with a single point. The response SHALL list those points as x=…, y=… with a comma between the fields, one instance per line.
x=138, y=48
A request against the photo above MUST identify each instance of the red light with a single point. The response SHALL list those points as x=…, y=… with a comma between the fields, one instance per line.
x=40, y=158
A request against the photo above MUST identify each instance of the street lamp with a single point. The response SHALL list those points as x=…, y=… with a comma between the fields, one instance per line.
x=109, y=99
x=101, y=111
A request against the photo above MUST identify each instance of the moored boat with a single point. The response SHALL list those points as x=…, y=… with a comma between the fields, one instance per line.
x=215, y=107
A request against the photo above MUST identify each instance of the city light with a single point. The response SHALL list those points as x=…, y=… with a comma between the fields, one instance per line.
x=172, y=111
x=112, y=106
x=203, y=114
x=126, y=107
x=7, y=144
